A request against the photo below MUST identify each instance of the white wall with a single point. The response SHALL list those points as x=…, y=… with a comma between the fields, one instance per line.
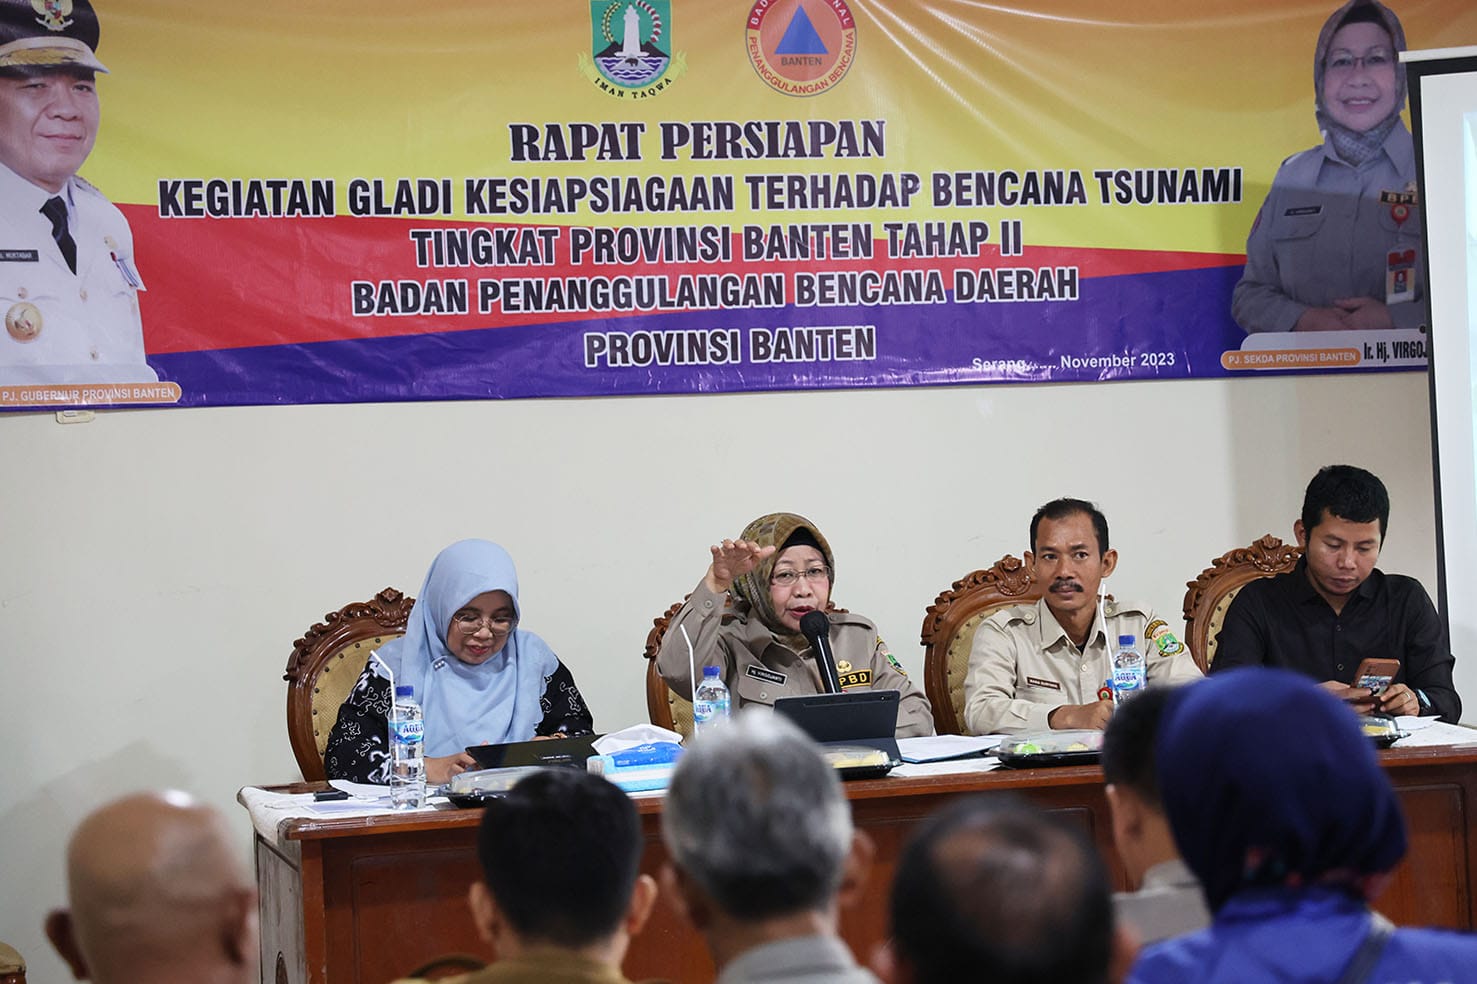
x=158, y=565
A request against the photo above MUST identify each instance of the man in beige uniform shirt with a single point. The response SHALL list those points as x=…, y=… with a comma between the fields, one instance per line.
x=68, y=283
x=1050, y=664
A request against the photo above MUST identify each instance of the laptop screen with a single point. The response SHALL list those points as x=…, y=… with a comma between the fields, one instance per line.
x=548, y=751
x=862, y=716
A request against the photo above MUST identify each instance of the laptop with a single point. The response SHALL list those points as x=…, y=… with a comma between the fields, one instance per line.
x=861, y=717
x=549, y=752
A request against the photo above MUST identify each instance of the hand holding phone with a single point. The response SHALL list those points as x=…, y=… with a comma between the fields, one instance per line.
x=1376, y=675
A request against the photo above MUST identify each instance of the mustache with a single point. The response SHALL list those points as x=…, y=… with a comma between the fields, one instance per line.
x=1065, y=584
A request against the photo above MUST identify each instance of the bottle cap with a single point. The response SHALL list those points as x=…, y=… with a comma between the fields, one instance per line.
x=404, y=690
x=1126, y=640
x=710, y=671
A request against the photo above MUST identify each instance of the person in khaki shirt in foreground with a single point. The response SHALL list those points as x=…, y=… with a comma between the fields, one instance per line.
x=1050, y=664
x=561, y=893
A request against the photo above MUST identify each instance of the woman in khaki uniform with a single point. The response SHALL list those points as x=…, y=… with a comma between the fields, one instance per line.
x=744, y=617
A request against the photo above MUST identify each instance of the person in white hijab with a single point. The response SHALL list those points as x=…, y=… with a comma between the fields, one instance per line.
x=478, y=676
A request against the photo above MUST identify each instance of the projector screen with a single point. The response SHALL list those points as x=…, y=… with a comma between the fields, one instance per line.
x=1443, y=101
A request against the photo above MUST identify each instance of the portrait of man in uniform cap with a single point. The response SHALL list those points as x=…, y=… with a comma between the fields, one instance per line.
x=68, y=282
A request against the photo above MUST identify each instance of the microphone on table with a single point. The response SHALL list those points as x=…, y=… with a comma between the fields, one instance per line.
x=817, y=630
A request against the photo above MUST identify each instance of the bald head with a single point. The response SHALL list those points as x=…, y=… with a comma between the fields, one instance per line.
x=156, y=894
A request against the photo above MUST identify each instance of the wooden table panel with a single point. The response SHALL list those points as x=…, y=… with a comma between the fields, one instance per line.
x=370, y=898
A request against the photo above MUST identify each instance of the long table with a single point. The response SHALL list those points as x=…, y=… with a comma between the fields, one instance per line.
x=366, y=899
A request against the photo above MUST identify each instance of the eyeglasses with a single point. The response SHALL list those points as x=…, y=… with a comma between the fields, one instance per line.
x=812, y=574
x=471, y=622
x=1343, y=62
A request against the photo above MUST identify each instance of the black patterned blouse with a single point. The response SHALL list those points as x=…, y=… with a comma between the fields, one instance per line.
x=358, y=747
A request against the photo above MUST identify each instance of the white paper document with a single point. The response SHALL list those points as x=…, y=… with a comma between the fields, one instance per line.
x=949, y=767
x=1434, y=733
x=940, y=748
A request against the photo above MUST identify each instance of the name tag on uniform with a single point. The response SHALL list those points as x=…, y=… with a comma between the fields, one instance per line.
x=20, y=256
x=1304, y=210
x=765, y=674
x=1400, y=276
x=1038, y=682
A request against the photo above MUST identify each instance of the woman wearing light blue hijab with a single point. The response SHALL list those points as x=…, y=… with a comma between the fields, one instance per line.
x=479, y=678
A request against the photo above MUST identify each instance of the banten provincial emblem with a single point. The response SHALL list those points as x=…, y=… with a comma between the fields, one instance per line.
x=54, y=13
x=631, y=47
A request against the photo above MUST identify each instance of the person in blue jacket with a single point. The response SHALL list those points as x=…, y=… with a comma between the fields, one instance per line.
x=1279, y=806
x=1336, y=245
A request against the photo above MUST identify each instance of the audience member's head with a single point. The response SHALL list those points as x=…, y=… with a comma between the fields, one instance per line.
x=157, y=894
x=995, y=889
x=561, y=856
x=1140, y=829
x=1268, y=780
x=759, y=835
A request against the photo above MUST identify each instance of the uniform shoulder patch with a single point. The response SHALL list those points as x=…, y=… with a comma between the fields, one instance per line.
x=1164, y=640
x=887, y=655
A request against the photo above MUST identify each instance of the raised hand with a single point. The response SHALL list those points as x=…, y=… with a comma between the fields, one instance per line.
x=733, y=559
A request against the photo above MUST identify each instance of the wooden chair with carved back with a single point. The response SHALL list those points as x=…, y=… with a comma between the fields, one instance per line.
x=948, y=632
x=665, y=707
x=324, y=664
x=1209, y=596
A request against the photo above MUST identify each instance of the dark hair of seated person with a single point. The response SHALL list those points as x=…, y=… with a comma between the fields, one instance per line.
x=1346, y=492
x=1128, y=745
x=1059, y=509
x=560, y=854
x=994, y=888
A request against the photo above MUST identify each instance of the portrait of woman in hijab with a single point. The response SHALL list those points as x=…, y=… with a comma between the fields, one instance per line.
x=1336, y=245
x=744, y=618
x=479, y=677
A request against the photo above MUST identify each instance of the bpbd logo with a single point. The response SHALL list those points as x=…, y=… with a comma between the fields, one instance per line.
x=801, y=47
x=630, y=47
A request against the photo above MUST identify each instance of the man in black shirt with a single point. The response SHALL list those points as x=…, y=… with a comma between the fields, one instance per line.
x=1336, y=609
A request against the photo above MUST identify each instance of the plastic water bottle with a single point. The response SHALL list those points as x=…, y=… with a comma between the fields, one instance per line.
x=407, y=742
x=1129, y=673
x=709, y=701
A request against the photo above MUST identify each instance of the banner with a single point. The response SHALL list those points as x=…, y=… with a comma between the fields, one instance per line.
x=292, y=203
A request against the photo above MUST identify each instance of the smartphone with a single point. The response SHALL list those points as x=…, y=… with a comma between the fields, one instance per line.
x=1375, y=675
